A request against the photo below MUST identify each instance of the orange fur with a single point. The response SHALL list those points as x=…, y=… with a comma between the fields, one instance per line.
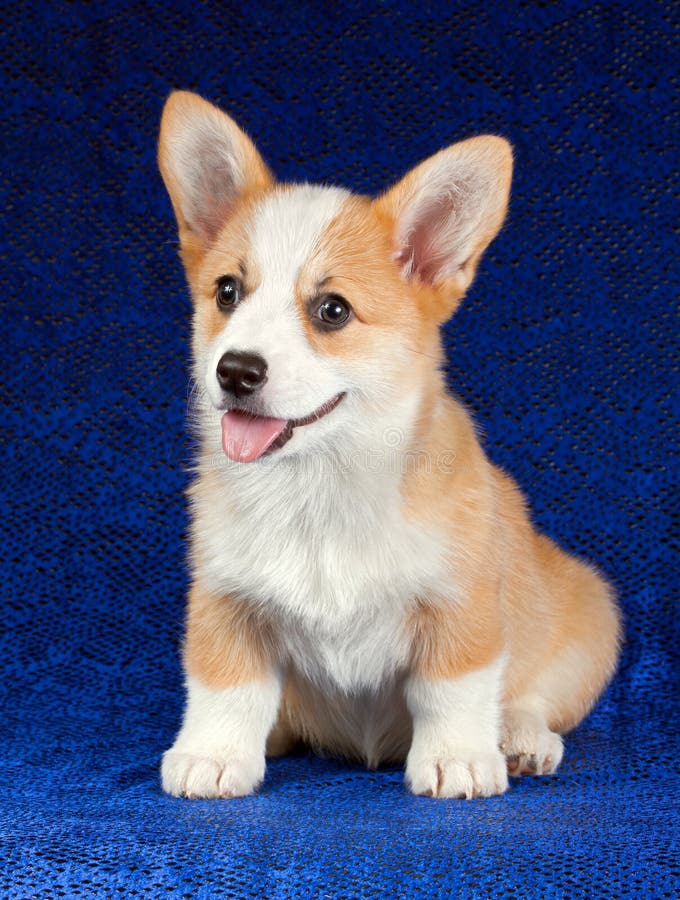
x=226, y=643
x=548, y=602
x=450, y=640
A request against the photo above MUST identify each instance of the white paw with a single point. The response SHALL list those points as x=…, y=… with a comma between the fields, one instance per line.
x=209, y=775
x=529, y=746
x=463, y=774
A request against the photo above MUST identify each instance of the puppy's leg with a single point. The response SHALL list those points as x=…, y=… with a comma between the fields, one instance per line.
x=583, y=650
x=586, y=645
x=233, y=693
x=530, y=747
x=454, y=696
x=219, y=751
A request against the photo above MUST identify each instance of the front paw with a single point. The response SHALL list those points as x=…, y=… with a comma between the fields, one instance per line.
x=198, y=775
x=461, y=773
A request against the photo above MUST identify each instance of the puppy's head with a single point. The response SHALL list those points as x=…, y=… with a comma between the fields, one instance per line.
x=316, y=311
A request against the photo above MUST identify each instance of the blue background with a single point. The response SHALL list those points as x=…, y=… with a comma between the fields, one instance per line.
x=564, y=349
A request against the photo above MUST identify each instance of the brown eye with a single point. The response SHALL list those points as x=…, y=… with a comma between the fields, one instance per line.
x=334, y=311
x=227, y=292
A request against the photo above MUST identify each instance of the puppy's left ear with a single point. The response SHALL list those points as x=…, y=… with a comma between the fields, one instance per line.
x=444, y=213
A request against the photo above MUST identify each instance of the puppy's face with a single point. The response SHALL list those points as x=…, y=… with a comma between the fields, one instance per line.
x=316, y=311
x=300, y=296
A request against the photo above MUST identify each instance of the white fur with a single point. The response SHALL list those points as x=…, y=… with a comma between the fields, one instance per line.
x=339, y=569
x=318, y=534
x=219, y=751
x=456, y=731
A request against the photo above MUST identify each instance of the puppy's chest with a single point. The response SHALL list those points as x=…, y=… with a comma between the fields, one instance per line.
x=339, y=582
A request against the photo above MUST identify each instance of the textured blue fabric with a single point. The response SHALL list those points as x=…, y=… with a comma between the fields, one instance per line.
x=564, y=349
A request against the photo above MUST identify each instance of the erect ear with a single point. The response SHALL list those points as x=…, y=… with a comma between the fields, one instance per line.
x=207, y=163
x=445, y=212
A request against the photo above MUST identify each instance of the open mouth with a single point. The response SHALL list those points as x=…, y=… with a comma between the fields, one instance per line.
x=246, y=436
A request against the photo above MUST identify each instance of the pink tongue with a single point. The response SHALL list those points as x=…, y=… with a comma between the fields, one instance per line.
x=246, y=437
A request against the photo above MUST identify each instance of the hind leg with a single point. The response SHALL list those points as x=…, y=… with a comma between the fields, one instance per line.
x=553, y=702
x=528, y=744
x=581, y=658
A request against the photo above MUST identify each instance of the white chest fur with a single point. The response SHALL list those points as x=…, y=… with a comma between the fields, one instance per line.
x=329, y=554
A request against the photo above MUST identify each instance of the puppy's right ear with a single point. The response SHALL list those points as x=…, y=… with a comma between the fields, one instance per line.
x=207, y=164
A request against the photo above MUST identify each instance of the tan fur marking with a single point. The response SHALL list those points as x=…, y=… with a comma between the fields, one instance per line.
x=587, y=635
x=449, y=641
x=560, y=621
x=226, y=642
x=352, y=259
x=391, y=318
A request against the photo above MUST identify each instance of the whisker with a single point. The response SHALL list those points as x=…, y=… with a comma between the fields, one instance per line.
x=437, y=359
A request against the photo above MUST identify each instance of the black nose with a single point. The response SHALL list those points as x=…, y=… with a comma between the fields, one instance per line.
x=241, y=373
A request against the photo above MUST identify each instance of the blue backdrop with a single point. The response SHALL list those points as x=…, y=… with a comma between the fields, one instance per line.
x=563, y=349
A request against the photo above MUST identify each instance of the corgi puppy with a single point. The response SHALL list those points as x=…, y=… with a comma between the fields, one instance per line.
x=364, y=581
